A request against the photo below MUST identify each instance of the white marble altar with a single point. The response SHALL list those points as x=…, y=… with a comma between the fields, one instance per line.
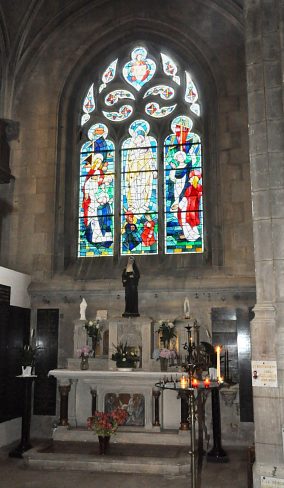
x=104, y=382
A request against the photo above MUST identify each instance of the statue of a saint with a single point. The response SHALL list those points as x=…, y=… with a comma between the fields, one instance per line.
x=186, y=308
x=130, y=279
x=83, y=307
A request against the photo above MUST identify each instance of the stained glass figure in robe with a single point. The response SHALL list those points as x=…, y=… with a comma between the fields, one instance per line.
x=139, y=222
x=140, y=69
x=183, y=189
x=96, y=194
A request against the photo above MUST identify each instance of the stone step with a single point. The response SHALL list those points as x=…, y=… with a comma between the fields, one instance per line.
x=134, y=436
x=120, y=458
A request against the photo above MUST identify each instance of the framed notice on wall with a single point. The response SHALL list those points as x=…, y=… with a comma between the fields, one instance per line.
x=264, y=373
x=267, y=482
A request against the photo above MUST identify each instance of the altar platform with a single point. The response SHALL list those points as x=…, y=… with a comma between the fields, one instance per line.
x=120, y=458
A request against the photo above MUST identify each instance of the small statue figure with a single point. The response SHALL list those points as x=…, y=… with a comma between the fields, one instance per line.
x=130, y=279
x=83, y=307
x=186, y=308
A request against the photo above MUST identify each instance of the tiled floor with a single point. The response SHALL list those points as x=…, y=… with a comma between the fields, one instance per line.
x=15, y=474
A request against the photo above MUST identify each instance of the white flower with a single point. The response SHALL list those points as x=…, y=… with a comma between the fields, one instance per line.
x=91, y=323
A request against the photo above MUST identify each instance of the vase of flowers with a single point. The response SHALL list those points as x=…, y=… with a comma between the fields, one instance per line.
x=84, y=354
x=105, y=424
x=94, y=330
x=167, y=331
x=28, y=359
x=165, y=355
x=124, y=356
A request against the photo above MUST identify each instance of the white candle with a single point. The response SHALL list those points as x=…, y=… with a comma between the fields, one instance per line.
x=218, y=351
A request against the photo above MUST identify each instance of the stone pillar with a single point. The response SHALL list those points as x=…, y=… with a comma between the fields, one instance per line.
x=64, y=392
x=93, y=392
x=264, y=45
x=156, y=394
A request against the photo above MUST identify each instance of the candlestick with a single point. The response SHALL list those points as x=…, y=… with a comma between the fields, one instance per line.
x=218, y=351
x=183, y=382
x=206, y=382
x=195, y=382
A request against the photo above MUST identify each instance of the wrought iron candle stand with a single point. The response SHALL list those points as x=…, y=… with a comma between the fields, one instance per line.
x=194, y=385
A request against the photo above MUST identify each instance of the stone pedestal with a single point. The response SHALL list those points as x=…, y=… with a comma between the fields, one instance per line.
x=80, y=336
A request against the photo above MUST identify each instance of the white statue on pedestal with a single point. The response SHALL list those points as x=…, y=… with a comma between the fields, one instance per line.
x=83, y=307
x=186, y=308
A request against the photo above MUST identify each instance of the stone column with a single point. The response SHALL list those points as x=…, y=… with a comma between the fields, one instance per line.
x=64, y=392
x=264, y=45
x=93, y=392
x=156, y=394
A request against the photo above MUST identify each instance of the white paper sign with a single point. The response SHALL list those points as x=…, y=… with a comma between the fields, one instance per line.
x=264, y=373
x=101, y=315
x=271, y=482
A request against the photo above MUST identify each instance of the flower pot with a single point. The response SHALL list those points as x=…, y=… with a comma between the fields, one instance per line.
x=124, y=365
x=104, y=443
x=164, y=364
x=84, y=364
x=27, y=370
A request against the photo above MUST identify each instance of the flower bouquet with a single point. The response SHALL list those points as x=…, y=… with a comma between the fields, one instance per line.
x=84, y=353
x=105, y=424
x=165, y=356
x=124, y=357
x=167, y=331
x=94, y=330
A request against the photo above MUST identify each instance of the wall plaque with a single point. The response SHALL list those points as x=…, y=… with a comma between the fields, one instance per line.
x=264, y=373
x=267, y=482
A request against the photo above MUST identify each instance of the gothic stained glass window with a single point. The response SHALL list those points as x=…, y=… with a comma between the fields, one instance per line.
x=143, y=100
x=139, y=203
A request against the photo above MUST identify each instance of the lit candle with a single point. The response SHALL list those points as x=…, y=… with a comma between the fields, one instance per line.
x=195, y=382
x=218, y=351
x=183, y=382
x=206, y=382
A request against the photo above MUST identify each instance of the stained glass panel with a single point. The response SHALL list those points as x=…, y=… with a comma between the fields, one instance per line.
x=170, y=68
x=124, y=112
x=96, y=226
x=154, y=110
x=139, y=203
x=108, y=75
x=89, y=102
x=195, y=108
x=183, y=189
x=114, y=96
x=191, y=93
x=140, y=69
x=165, y=92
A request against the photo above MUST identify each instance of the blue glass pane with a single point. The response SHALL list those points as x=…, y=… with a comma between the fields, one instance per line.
x=139, y=192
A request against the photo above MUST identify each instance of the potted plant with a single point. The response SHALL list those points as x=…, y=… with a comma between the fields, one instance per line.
x=167, y=331
x=105, y=424
x=84, y=353
x=124, y=356
x=28, y=359
x=164, y=355
x=94, y=330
